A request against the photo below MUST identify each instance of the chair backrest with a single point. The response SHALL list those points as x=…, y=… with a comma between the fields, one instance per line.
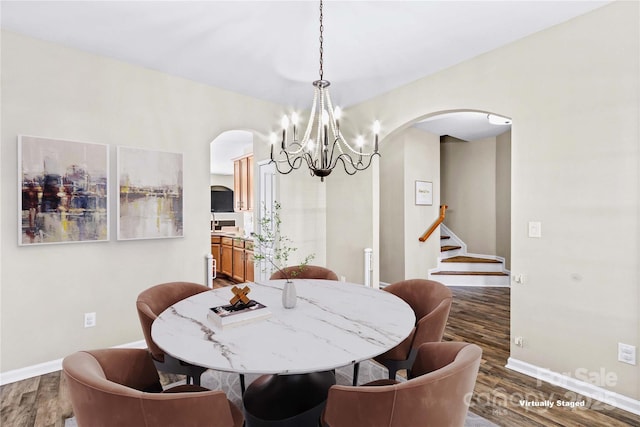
x=120, y=387
x=305, y=272
x=430, y=301
x=155, y=300
x=438, y=395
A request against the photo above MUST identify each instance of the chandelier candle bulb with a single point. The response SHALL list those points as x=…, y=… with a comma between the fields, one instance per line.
x=376, y=131
x=294, y=122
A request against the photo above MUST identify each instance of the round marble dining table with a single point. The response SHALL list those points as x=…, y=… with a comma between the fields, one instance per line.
x=333, y=324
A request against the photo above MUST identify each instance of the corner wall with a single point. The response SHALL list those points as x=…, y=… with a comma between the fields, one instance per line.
x=49, y=90
x=469, y=189
x=410, y=155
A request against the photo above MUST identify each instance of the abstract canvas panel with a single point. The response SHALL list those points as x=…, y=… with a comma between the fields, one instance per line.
x=64, y=191
x=150, y=202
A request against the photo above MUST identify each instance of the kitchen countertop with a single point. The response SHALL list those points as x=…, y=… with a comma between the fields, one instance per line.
x=232, y=235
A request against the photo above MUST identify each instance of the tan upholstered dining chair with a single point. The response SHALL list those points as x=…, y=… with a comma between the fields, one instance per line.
x=120, y=387
x=305, y=272
x=153, y=301
x=431, y=302
x=437, y=395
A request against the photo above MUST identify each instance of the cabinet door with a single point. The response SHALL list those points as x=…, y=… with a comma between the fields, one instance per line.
x=226, y=264
x=238, y=264
x=249, y=199
x=237, y=185
x=243, y=183
x=248, y=266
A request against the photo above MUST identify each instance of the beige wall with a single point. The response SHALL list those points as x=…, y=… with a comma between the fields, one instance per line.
x=217, y=179
x=573, y=94
x=352, y=222
x=48, y=90
x=408, y=156
x=303, y=200
x=476, y=185
x=503, y=197
x=392, y=205
x=422, y=163
x=469, y=189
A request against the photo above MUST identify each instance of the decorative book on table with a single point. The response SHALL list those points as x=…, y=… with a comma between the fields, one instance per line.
x=235, y=314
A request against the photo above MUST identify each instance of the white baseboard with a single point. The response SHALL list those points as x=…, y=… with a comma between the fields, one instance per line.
x=48, y=367
x=581, y=387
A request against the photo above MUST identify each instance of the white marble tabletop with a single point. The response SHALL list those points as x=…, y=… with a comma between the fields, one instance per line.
x=333, y=324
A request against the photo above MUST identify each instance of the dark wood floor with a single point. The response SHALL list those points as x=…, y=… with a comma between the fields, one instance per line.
x=478, y=315
x=481, y=316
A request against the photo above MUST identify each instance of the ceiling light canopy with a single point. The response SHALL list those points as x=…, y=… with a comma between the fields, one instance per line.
x=322, y=145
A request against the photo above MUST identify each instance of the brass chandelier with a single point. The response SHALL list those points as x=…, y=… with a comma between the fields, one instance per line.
x=329, y=147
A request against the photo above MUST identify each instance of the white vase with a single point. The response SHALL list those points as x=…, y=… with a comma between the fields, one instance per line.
x=289, y=295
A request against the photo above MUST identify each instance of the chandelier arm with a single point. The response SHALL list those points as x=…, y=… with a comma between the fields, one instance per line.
x=297, y=162
x=350, y=162
x=309, y=161
x=283, y=171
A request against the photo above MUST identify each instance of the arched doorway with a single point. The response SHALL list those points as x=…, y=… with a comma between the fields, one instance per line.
x=226, y=210
x=427, y=151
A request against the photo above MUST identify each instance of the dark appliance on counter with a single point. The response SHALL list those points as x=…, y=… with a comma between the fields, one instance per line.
x=221, y=199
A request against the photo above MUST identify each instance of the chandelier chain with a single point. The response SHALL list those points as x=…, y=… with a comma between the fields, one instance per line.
x=321, y=40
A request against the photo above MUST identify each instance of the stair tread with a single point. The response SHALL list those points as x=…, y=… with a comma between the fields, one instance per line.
x=470, y=259
x=470, y=273
x=443, y=237
x=449, y=248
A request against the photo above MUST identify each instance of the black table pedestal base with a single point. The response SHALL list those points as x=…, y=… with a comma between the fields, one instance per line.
x=287, y=400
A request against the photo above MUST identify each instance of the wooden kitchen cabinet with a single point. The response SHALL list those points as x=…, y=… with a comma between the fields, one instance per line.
x=238, y=261
x=243, y=183
x=226, y=264
x=235, y=257
x=248, y=262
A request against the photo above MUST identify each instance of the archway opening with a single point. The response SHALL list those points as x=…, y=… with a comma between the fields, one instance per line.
x=464, y=160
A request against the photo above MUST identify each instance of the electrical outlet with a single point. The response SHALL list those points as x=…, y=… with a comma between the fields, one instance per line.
x=519, y=278
x=89, y=320
x=627, y=353
x=519, y=341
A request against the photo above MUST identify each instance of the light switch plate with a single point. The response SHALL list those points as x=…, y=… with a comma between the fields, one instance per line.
x=627, y=353
x=535, y=229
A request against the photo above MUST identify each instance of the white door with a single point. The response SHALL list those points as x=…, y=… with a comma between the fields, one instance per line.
x=267, y=196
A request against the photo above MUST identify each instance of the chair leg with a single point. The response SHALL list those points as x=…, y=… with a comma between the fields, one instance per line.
x=189, y=380
x=242, y=387
x=392, y=372
x=356, y=369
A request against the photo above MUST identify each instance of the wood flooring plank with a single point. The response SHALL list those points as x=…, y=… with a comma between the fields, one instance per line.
x=48, y=404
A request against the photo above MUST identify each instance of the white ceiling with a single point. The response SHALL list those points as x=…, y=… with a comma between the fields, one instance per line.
x=269, y=49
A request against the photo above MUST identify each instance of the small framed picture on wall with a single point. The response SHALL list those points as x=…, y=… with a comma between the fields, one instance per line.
x=424, y=193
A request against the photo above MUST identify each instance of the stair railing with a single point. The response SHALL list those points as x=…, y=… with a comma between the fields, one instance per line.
x=436, y=223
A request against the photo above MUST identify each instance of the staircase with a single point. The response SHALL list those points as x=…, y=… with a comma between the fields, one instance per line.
x=457, y=267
